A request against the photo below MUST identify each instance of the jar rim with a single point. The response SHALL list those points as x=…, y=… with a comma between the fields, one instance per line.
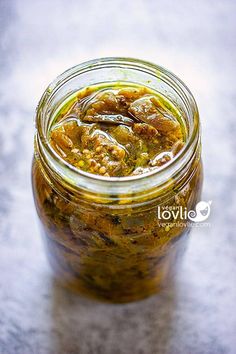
x=158, y=176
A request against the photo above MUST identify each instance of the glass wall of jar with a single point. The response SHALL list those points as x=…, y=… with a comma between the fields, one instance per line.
x=105, y=236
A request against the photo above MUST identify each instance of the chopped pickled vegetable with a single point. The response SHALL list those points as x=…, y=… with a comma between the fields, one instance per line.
x=108, y=248
x=144, y=110
x=109, y=119
x=117, y=131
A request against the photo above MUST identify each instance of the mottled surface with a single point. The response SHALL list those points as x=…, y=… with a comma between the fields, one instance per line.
x=196, y=40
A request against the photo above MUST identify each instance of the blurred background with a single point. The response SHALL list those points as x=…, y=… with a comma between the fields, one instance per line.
x=195, y=40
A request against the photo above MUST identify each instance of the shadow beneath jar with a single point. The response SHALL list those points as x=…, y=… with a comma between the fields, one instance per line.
x=83, y=326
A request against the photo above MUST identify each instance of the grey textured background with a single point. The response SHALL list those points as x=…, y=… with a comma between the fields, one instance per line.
x=194, y=39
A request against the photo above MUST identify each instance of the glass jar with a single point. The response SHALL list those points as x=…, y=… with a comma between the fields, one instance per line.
x=107, y=237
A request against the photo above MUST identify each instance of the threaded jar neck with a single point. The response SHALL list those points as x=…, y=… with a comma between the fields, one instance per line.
x=123, y=190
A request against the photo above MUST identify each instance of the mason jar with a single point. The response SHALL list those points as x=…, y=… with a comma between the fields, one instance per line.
x=109, y=237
